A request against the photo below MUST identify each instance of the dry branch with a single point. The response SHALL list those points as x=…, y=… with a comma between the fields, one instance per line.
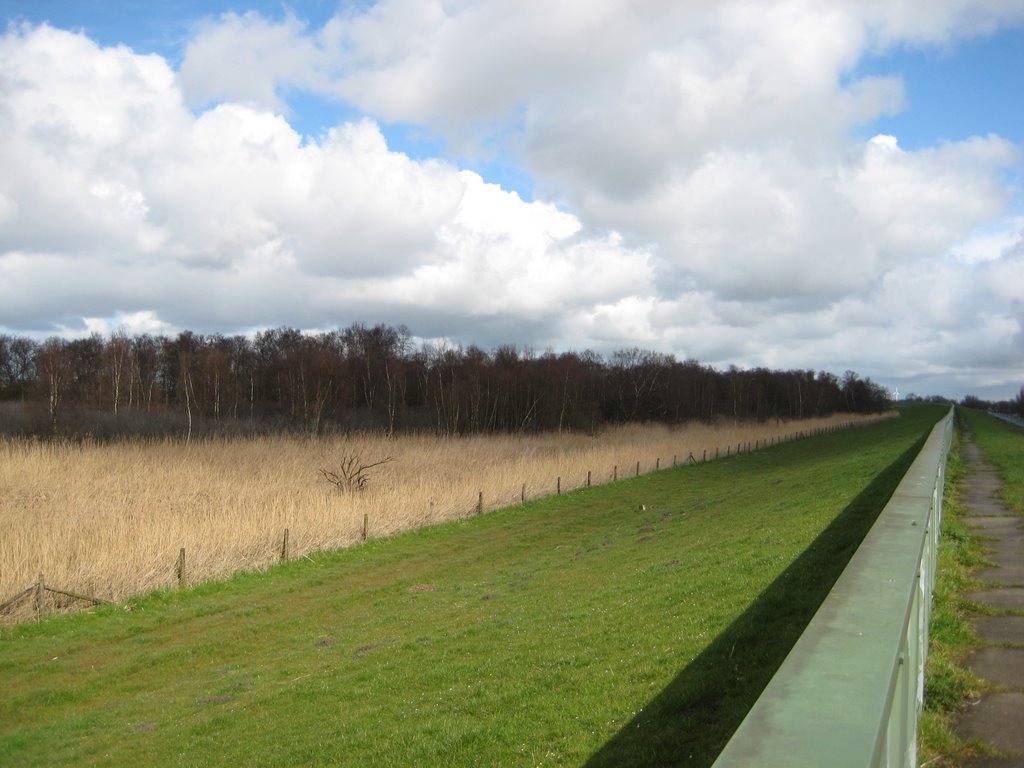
x=352, y=474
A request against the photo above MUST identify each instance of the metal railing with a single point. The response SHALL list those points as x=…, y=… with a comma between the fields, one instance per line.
x=1009, y=418
x=851, y=690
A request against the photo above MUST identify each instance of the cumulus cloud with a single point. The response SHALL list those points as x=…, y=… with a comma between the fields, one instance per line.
x=228, y=218
x=920, y=203
x=80, y=128
x=699, y=186
x=249, y=60
x=130, y=323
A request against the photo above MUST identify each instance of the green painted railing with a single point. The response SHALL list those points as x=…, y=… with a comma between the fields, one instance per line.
x=850, y=692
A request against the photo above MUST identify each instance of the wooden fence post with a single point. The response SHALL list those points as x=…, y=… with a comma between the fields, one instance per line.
x=366, y=524
x=558, y=486
x=638, y=469
x=480, y=503
x=615, y=472
x=181, y=566
x=588, y=478
x=284, y=547
x=657, y=464
x=522, y=495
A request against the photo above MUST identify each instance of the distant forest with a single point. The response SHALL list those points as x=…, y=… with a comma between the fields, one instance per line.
x=376, y=378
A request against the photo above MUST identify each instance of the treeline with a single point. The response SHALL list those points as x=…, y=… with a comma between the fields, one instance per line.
x=377, y=378
x=1014, y=407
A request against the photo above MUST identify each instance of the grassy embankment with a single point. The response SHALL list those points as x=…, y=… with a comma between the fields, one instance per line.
x=949, y=685
x=109, y=519
x=632, y=624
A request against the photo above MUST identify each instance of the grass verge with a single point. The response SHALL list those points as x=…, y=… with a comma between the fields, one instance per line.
x=1003, y=446
x=949, y=685
x=628, y=625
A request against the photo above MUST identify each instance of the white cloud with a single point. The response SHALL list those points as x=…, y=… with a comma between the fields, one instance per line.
x=1004, y=277
x=248, y=59
x=501, y=256
x=368, y=210
x=699, y=190
x=80, y=129
x=924, y=202
x=991, y=242
x=939, y=22
x=232, y=220
x=131, y=323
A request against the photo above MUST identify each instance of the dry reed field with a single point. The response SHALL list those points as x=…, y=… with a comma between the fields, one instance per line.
x=109, y=520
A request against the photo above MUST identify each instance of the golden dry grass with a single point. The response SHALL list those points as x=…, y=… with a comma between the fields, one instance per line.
x=109, y=519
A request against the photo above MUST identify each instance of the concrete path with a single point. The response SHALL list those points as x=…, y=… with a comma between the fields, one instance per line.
x=998, y=717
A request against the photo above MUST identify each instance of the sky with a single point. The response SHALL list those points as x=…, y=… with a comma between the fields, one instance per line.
x=780, y=183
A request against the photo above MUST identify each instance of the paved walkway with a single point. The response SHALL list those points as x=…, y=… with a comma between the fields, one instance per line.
x=998, y=717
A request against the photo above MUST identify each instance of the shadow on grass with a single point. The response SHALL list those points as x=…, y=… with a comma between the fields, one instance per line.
x=691, y=720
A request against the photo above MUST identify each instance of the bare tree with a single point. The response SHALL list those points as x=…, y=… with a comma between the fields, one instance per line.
x=352, y=474
x=53, y=364
x=116, y=358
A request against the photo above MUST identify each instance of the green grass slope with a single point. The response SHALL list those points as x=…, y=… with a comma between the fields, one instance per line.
x=631, y=624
